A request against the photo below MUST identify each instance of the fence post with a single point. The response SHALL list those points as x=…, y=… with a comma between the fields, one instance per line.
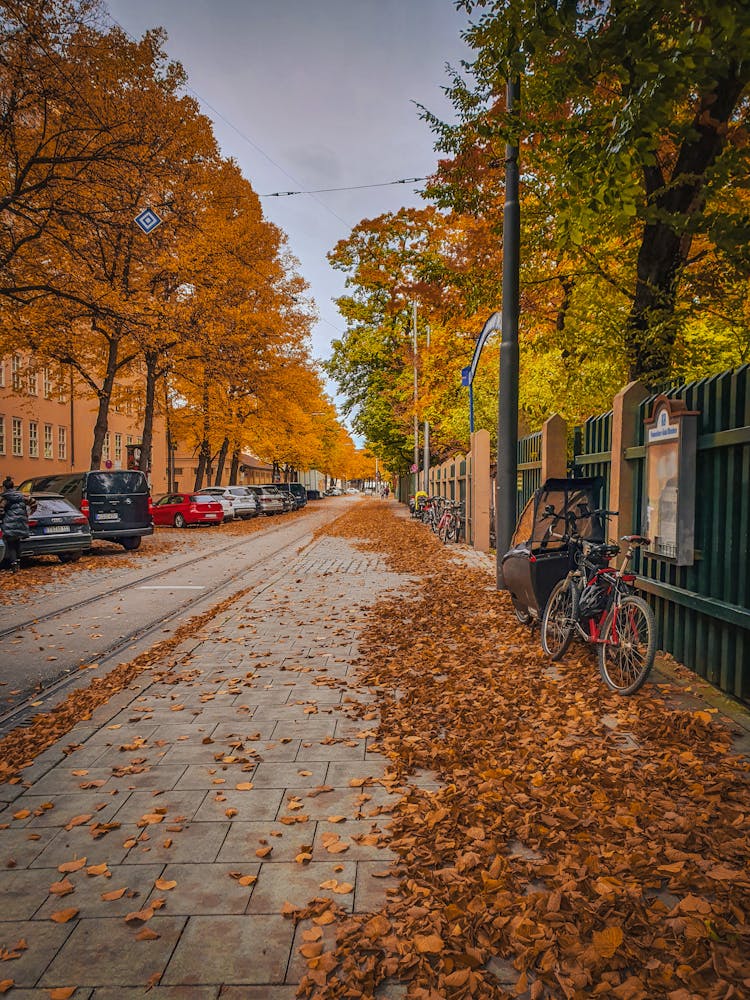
x=554, y=448
x=622, y=474
x=480, y=489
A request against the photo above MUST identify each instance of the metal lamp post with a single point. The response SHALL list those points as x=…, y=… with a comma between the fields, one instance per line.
x=507, y=405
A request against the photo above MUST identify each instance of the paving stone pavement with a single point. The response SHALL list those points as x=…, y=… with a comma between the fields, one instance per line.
x=207, y=799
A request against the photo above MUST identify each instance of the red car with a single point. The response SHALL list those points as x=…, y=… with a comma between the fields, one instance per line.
x=182, y=509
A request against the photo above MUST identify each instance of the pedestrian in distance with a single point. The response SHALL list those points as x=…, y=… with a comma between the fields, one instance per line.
x=15, y=508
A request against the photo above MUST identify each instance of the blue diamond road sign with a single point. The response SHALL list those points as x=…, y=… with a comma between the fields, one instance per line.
x=148, y=220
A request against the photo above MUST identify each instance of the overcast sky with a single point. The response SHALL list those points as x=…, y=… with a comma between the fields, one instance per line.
x=312, y=94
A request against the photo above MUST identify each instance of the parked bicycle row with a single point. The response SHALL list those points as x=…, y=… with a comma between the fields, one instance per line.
x=443, y=516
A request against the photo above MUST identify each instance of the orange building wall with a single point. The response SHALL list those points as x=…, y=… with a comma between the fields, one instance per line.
x=76, y=421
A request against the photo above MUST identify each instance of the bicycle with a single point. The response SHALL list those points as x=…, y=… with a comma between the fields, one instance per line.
x=449, y=526
x=435, y=512
x=599, y=604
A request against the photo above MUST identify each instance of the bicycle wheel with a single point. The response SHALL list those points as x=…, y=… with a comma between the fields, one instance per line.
x=442, y=531
x=454, y=529
x=625, y=660
x=559, y=619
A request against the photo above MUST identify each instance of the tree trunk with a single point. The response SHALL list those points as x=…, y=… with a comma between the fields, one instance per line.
x=665, y=246
x=221, y=460
x=234, y=468
x=147, y=435
x=204, y=458
x=105, y=395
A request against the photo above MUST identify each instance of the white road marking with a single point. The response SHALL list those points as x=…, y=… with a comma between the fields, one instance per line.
x=167, y=587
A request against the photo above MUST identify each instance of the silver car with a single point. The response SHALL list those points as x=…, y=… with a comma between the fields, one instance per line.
x=269, y=502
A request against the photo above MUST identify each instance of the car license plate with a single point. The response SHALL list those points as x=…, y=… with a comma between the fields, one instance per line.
x=57, y=529
x=210, y=515
x=111, y=516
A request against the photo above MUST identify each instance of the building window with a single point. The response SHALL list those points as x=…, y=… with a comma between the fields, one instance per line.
x=48, y=453
x=105, y=447
x=33, y=439
x=129, y=439
x=15, y=366
x=17, y=437
x=2, y=435
x=62, y=442
x=47, y=379
x=33, y=384
x=118, y=447
x=2, y=373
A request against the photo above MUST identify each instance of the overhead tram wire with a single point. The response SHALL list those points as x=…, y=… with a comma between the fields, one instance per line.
x=353, y=187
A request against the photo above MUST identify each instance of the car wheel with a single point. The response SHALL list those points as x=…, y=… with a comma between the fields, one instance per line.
x=131, y=544
x=69, y=557
x=179, y=521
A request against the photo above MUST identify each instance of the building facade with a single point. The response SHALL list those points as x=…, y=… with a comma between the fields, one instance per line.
x=47, y=426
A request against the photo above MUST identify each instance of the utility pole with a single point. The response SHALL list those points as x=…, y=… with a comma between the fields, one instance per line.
x=426, y=441
x=507, y=405
x=416, y=418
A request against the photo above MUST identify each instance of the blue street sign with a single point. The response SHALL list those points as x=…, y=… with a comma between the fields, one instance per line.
x=466, y=375
x=148, y=220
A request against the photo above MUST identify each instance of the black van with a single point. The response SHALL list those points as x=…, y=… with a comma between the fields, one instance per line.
x=116, y=502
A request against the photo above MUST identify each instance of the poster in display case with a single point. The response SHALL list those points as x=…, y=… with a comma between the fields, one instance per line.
x=669, y=483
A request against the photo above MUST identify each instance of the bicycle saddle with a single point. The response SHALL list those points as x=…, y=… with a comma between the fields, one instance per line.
x=636, y=539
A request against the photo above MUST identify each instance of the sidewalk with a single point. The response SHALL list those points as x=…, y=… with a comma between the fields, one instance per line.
x=206, y=802
x=208, y=831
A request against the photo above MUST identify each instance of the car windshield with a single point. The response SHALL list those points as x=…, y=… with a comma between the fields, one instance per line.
x=112, y=483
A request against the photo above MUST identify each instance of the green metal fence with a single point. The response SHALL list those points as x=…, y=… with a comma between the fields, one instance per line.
x=702, y=611
x=529, y=457
x=592, y=450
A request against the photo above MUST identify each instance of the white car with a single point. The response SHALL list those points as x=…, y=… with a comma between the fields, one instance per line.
x=225, y=499
x=245, y=502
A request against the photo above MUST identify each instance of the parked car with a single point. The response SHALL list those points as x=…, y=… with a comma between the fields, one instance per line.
x=245, y=503
x=183, y=509
x=116, y=503
x=286, y=498
x=225, y=499
x=314, y=494
x=290, y=501
x=57, y=529
x=270, y=502
x=2, y=548
x=297, y=490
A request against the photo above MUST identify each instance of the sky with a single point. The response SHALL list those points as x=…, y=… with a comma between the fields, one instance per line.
x=308, y=94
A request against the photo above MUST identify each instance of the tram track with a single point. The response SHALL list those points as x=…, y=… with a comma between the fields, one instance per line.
x=23, y=712
x=140, y=582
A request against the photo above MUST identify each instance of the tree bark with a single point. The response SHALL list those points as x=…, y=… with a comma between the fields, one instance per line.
x=234, y=468
x=665, y=246
x=105, y=396
x=204, y=457
x=221, y=460
x=147, y=435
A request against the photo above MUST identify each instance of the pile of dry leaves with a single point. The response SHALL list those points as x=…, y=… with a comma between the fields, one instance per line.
x=555, y=859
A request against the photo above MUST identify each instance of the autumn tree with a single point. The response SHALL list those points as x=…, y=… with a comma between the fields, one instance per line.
x=637, y=115
x=59, y=134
